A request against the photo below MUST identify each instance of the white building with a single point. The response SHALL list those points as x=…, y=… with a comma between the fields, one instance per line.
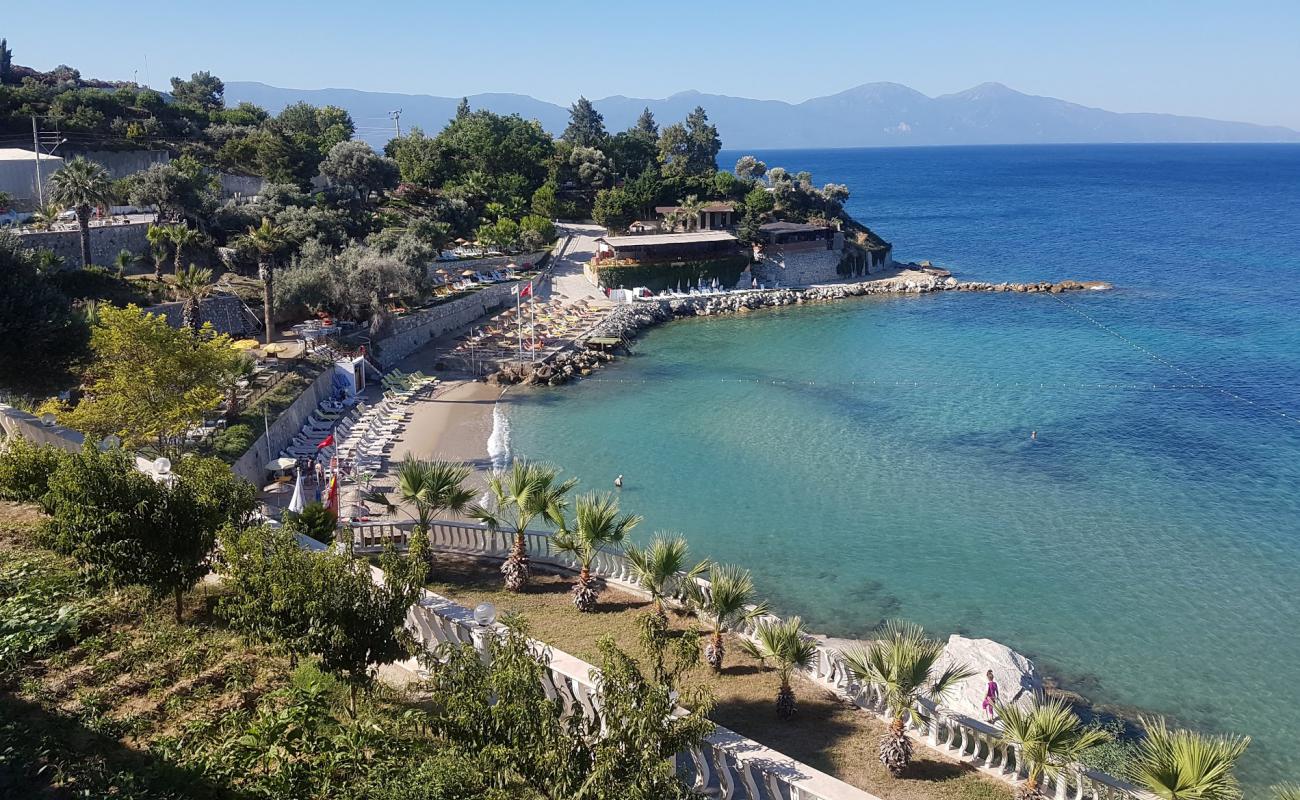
x=18, y=175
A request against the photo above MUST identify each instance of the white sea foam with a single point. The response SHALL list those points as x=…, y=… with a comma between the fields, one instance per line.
x=498, y=444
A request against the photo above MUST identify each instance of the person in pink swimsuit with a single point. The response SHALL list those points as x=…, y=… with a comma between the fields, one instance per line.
x=990, y=697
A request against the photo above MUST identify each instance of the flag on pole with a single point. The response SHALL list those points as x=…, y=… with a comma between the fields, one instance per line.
x=526, y=290
x=326, y=442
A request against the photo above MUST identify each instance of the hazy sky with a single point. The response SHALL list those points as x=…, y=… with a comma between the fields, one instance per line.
x=1233, y=59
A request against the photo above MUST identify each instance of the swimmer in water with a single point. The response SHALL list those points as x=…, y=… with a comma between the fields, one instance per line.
x=1033, y=436
x=619, y=481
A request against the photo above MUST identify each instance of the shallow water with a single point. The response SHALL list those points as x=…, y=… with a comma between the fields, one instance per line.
x=873, y=458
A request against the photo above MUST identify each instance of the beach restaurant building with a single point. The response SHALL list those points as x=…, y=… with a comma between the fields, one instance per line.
x=710, y=217
x=797, y=236
x=698, y=245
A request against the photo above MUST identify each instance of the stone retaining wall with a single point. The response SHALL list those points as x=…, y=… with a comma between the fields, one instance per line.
x=282, y=430
x=16, y=422
x=412, y=332
x=106, y=241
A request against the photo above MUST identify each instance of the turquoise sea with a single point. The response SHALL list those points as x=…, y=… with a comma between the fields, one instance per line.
x=873, y=458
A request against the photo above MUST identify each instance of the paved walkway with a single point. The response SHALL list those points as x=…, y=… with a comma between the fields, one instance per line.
x=566, y=279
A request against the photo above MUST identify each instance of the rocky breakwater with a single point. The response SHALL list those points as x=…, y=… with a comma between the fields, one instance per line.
x=625, y=322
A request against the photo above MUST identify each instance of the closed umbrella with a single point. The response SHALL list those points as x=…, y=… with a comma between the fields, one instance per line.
x=296, y=502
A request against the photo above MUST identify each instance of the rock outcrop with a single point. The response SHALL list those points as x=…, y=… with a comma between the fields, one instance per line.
x=1017, y=677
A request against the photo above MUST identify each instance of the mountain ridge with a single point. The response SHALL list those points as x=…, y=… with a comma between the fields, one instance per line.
x=870, y=114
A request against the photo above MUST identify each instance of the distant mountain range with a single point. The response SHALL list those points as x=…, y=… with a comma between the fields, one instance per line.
x=873, y=114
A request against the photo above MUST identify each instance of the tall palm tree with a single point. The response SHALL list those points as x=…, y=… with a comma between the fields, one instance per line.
x=1049, y=737
x=82, y=186
x=902, y=663
x=785, y=644
x=182, y=237
x=267, y=239
x=691, y=208
x=523, y=493
x=430, y=487
x=728, y=601
x=159, y=237
x=1185, y=765
x=596, y=524
x=661, y=569
x=193, y=285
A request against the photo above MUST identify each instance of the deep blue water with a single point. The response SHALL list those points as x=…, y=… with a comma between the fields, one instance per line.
x=873, y=458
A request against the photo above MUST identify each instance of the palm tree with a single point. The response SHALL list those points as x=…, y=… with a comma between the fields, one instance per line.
x=1286, y=791
x=123, y=261
x=1048, y=737
x=193, y=284
x=527, y=491
x=902, y=663
x=159, y=237
x=597, y=524
x=44, y=217
x=1185, y=765
x=431, y=487
x=728, y=601
x=267, y=239
x=691, y=208
x=82, y=186
x=240, y=369
x=659, y=569
x=182, y=237
x=785, y=644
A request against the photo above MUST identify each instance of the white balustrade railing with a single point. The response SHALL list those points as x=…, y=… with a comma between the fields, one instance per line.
x=720, y=765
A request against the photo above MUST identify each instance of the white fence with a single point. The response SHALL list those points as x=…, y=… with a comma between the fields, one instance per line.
x=757, y=777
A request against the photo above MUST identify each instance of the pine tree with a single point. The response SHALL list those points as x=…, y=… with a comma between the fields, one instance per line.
x=462, y=108
x=6, y=60
x=646, y=123
x=586, y=125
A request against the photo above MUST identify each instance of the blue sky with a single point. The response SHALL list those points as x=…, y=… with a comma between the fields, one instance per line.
x=1229, y=60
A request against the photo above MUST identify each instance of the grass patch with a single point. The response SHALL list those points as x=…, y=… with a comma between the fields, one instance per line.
x=827, y=733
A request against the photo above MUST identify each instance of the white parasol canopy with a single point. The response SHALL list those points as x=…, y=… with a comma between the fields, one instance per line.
x=296, y=502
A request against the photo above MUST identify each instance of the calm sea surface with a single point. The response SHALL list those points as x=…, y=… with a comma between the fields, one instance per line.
x=873, y=459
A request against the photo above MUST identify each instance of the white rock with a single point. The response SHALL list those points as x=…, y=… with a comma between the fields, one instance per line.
x=1016, y=676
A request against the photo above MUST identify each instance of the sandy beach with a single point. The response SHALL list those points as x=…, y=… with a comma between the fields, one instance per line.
x=454, y=424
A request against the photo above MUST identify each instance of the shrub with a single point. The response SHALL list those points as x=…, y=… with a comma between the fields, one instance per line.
x=315, y=521
x=234, y=441
x=25, y=470
x=41, y=605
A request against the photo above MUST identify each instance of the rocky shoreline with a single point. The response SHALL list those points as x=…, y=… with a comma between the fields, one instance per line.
x=625, y=323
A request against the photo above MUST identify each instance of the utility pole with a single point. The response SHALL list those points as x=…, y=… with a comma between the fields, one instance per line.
x=396, y=117
x=36, y=145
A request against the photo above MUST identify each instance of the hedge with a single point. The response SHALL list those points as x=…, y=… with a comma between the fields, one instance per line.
x=658, y=276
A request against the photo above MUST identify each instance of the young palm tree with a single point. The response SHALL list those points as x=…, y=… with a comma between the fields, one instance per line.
x=596, y=524
x=82, y=186
x=1286, y=791
x=691, y=208
x=1185, y=765
x=1049, y=737
x=661, y=569
x=182, y=238
x=785, y=644
x=44, y=217
x=123, y=261
x=430, y=487
x=526, y=491
x=240, y=369
x=902, y=664
x=728, y=601
x=267, y=239
x=193, y=285
x=159, y=237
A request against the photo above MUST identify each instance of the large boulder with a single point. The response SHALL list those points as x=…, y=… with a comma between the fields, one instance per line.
x=1017, y=677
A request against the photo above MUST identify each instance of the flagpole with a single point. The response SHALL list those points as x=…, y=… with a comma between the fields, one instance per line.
x=519, y=326
x=532, y=313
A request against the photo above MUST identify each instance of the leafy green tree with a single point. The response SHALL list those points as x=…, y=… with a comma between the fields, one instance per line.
x=203, y=90
x=354, y=164
x=750, y=168
x=536, y=232
x=176, y=189
x=661, y=569
x=126, y=529
x=614, y=209
x=268, y=241
x=520, y=495
x=26, y=468
x=6, y=62
x=82, y=185
x=544, y=201
x=269, y=589
x=193, y=285
x=586, y=126
x=728, y=600
x=420, y=160
x=592, y=167
x=1048, y=737
x=902, y=664
x=786, y=644
x=315, y=521
x=596, y=525
x=38, y=325
x=358, y=622
x=148, y=383
x=1178, y=764
x=690, y=148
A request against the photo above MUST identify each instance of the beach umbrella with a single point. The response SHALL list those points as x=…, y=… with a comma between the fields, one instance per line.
x=277, y=347
x=275, y=488
x=244, y=344
x=281, y=464
x=469, y=273
x=296, y=503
